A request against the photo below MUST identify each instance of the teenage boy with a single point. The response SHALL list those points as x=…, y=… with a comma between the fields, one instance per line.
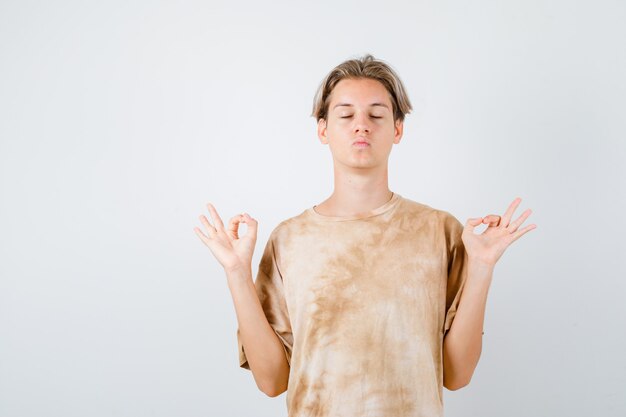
x=368, y=303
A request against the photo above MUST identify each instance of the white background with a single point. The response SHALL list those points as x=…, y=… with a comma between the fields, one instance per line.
x=119, y=121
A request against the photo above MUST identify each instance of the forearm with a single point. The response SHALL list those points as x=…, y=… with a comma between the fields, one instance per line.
x=463, y=342
x=263, y=348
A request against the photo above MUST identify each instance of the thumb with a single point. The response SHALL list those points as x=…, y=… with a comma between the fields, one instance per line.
x=473, y=222
x=252, y=224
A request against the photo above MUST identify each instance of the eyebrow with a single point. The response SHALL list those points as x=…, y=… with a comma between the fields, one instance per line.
x=350, y=105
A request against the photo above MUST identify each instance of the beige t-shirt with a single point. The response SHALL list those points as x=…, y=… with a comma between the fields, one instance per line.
x=361, y=305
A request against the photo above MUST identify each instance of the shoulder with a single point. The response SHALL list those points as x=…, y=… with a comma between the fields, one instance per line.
x=441, y=216
x=445, y=229
x=288, y=227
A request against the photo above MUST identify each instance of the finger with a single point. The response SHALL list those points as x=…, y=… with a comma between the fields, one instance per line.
x=209, y=227
x=521, y=232
x=492, y=220
x=509, y=212
x=233, y=226
x=471, y=223
x=517, y=223
x=217, y=220
x=201, y=235
x=252, y=224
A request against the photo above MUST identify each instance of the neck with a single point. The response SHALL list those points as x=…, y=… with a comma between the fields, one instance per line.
x=356, y=191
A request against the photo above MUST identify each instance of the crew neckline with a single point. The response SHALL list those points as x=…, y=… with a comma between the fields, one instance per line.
x=374, y=212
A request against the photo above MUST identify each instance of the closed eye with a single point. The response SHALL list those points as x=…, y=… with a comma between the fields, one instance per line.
x=373, y=117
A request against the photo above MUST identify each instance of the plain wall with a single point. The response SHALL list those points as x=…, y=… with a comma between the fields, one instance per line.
x=119, y=121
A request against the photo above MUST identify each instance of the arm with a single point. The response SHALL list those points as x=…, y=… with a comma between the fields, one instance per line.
x=264, y=350
x=462, y=344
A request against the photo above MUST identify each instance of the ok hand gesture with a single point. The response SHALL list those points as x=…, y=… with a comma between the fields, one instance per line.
x=489, y=246
x=231, y=250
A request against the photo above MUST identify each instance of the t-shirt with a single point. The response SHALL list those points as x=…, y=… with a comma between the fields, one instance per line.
x=361, y=305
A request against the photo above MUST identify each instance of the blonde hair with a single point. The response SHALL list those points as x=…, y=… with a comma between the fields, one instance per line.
x=364, y=67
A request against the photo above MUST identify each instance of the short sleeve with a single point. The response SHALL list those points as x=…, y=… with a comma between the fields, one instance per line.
x=457, y=267
x=271, y=293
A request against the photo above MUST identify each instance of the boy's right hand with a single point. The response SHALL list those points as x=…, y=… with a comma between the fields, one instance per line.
x=232, y=251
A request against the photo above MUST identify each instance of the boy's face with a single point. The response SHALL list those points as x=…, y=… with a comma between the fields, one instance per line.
x=354, y=116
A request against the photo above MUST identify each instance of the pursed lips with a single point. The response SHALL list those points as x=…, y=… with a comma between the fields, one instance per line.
x=361, y=141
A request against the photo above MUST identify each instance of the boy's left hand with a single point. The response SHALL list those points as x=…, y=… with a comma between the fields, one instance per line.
x=488, y=246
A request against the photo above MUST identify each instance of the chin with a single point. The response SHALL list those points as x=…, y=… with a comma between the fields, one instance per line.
x=353, y=161
x=362, y=164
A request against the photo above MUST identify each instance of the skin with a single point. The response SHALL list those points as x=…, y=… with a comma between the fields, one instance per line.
x=360, y=174
x=361, y=185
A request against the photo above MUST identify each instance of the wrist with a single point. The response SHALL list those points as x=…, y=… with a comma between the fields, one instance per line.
x=238, y=273
x=480, y=262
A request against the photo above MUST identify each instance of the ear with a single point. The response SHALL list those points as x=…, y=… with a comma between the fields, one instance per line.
x=321, y=131
x=398, y=131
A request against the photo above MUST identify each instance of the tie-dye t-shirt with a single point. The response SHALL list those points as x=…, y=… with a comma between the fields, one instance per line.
x=361, y=305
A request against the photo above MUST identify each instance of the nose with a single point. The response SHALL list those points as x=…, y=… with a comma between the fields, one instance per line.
x=361, y=124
